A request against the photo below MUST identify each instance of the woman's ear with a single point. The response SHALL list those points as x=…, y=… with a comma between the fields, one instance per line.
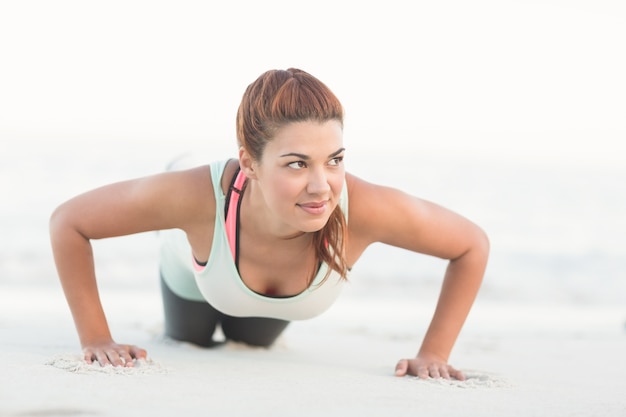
x=247, y=163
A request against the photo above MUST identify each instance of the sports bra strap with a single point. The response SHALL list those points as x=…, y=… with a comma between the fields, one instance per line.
x=233, y=201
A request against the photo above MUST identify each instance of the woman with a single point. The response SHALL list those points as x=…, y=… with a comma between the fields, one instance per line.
x=253, y=243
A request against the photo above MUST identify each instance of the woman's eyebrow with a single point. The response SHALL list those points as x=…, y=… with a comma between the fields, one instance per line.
x=337, y=152
x=306, y=157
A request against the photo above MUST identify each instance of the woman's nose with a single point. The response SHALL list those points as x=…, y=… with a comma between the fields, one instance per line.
x=318, y=182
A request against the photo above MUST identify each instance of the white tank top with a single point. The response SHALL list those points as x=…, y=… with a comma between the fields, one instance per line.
x=219, y=282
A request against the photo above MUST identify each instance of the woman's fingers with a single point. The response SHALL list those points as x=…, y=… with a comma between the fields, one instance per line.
x=427, y=369
x=137, y=352
x=114, y=354
x=402, y=367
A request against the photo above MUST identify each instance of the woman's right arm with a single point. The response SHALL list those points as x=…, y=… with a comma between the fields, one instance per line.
x=182, y=199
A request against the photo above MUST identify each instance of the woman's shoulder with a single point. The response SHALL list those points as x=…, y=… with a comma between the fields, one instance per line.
x=187, y=192
x=194, y=175
x=360, y=188
x=363, y=190
x=375, y=207
x=201, y=185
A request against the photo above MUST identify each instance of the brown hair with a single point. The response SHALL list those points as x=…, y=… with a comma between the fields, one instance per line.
x=280, y=97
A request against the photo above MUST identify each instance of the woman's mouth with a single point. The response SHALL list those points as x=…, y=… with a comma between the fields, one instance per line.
x=314, y=207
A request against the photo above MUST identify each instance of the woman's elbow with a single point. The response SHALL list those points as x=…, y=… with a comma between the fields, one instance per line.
x=480, y=245
x=60, y=221
x=482, y=242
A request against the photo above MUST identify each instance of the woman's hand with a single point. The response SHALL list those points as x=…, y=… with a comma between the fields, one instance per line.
x=424, y=368
x=114, y=354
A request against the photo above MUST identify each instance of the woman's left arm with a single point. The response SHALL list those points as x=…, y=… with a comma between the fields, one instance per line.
x=386, y=215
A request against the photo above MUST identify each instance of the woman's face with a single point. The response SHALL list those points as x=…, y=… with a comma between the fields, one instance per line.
x=300, y=176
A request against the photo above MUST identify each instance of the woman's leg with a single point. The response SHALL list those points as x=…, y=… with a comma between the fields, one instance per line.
x=189, y=320
x=195, y=322
x=255, y=331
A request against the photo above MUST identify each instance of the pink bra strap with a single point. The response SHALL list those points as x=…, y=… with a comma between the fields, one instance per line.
x=231, y=211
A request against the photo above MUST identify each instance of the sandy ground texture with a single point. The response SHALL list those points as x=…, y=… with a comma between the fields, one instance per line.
x=519, y=360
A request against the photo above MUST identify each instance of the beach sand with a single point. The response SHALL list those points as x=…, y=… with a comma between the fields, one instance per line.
x=520, y=360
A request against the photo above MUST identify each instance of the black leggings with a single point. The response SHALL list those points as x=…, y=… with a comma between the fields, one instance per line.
x=195, y=322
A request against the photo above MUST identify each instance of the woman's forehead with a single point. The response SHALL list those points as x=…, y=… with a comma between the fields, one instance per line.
x=312, y=137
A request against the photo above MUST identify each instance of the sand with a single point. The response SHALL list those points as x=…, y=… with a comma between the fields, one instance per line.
x=520, y=360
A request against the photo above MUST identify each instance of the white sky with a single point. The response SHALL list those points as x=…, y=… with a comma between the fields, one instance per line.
x=522, y=78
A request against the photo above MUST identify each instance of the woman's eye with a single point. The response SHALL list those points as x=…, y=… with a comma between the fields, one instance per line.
x=297, y=165
x=336, y=161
